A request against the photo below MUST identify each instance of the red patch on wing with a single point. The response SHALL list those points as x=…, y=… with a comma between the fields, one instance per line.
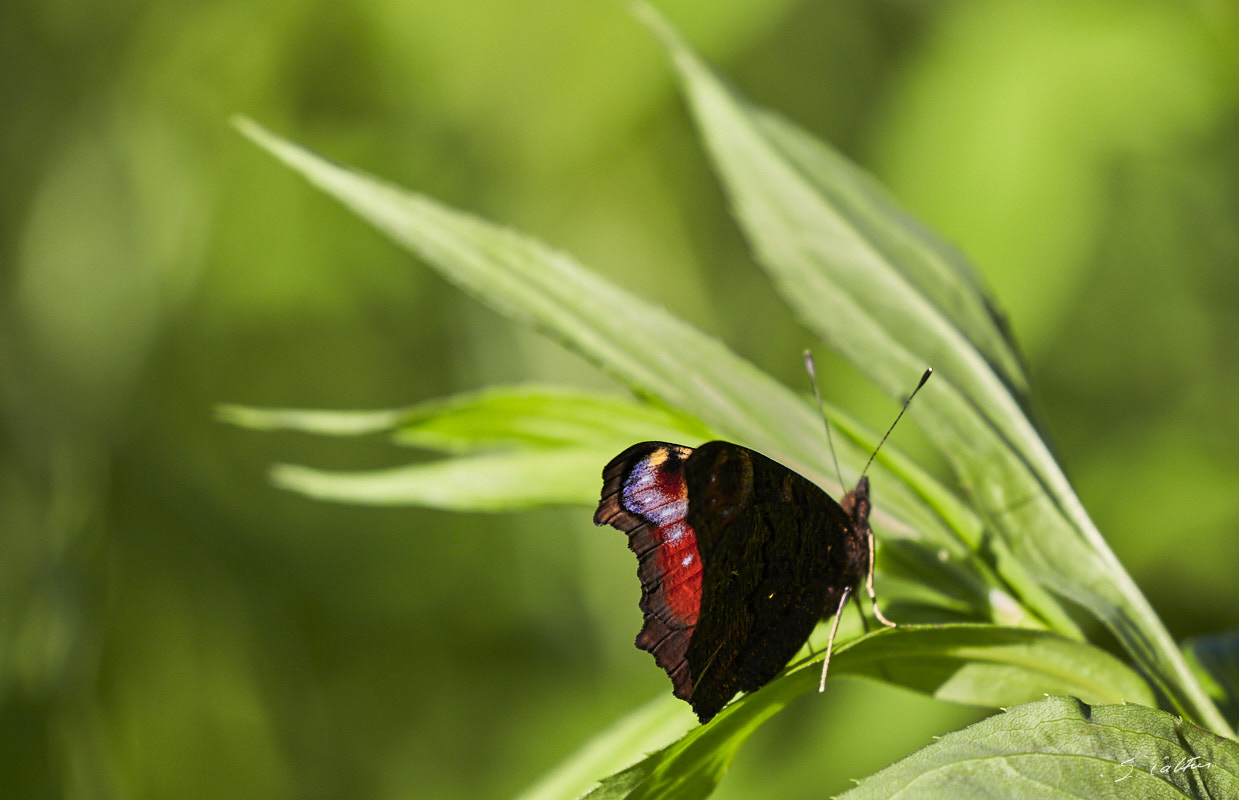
x=644, y=496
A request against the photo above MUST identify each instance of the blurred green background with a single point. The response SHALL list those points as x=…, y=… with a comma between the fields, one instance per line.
x=172, y=626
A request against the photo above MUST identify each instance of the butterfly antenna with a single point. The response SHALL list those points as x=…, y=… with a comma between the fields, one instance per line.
x=898, y=417
x=817, y=395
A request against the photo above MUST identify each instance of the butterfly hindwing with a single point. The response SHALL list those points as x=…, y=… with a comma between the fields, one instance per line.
x=773, y=545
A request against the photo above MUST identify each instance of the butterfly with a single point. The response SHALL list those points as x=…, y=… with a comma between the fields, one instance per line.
x=738, y=557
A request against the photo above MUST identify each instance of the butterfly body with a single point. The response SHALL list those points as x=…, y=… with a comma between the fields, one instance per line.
x=738, y=558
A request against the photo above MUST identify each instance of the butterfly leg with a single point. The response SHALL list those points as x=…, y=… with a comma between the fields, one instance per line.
x=830, y=643
x=864, y=621
x=873, y=598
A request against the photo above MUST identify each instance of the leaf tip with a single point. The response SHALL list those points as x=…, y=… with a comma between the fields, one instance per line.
x=253, y=131
x=288, y=476
x=232, y=414
x=264, y=138
x=648, y=16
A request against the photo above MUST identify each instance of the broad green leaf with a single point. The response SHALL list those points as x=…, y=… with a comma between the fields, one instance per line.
x=893, y=299
x=1060, y=747
x=975, y=664
x=987, y=665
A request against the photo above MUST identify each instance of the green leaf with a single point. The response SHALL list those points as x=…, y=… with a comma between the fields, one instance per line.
x=527, y=446
x=975, y=664
x=1060, y=747
x=322, y=423
x=987, y=665
x=542, y=417
x=658, y=355
x=536, y=416
x=505, y=481
x=639, y=343
x=537, y=445
x=692, y=766
x=893, y=299
x=647, y=728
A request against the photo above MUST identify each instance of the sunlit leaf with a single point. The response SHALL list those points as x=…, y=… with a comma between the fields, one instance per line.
x=515, y=447
x=658, y=355
x=891, y=298
x=986, y=665
x=640, y=343
x=501, y=416
x=318, y=422
x=501, y=481
x=974, y=664
x=1062, y=748
x=645, y=729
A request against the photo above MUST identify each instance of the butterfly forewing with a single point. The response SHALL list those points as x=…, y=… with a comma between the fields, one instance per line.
x=644, y=495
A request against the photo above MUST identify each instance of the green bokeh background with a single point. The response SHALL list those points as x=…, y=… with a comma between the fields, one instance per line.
x=172, y=626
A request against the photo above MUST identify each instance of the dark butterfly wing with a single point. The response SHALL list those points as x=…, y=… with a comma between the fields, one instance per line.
x=738, y=558
x=644, y=495
x=777, y=551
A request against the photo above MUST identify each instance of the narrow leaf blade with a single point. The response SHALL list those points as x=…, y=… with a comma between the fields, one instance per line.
x=530, y=415
x=505, y=481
